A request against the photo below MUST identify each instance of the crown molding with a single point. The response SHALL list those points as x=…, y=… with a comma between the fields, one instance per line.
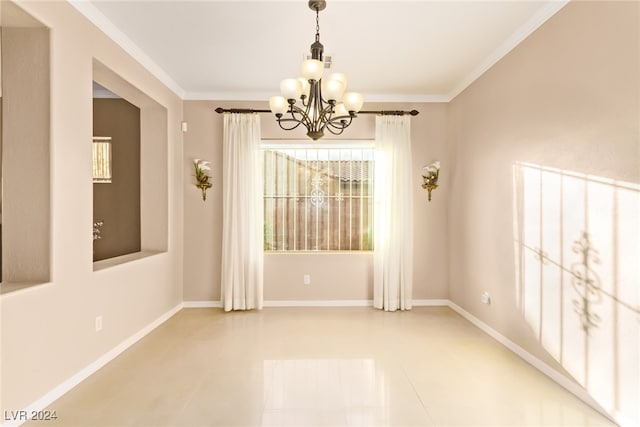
x=97, y=18
x=228, y=96
x=406, y=98
x=263, y=96
x=509, y=44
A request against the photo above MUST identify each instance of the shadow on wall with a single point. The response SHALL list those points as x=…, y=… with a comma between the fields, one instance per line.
x=577, y=246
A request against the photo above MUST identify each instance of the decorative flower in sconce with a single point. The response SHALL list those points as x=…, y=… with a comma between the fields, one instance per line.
x=430, y=175
x=97, y=230
x=202, y=179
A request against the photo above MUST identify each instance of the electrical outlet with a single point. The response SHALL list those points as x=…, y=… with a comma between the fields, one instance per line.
x=98, y=323
x=485, y=298
x=307, y=279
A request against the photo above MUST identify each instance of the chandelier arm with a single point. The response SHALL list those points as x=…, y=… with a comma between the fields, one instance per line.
x=311, y=110
x=338, y=131
x=326, y=116
x=339, y=122
x=297, y=123
x=293, y=110
x=314, y=108
x=303, y=116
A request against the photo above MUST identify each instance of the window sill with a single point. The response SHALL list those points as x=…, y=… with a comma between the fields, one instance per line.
x=7, y=289
x=123, y=259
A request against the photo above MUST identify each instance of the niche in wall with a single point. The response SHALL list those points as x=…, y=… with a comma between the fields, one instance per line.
x=116, y=203
x=133, y=207
x=25, y=198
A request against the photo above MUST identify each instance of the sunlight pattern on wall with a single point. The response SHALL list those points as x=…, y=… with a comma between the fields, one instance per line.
x=577, y=241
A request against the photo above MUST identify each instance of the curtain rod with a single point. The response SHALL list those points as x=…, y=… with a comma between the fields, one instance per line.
x=221, y=110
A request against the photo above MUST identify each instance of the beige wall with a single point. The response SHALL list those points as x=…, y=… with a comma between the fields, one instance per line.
x=48, y=331
x=333, y=276
x=568, y=98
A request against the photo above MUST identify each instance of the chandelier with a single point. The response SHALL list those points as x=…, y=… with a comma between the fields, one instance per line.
x=315, y=102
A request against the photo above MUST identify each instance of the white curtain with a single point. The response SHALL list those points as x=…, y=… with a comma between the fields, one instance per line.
x=393, y=216
x=242, y=217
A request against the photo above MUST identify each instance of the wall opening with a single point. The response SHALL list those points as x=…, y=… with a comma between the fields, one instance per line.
x=25, y=171
x=116, y=200
x=130, y=213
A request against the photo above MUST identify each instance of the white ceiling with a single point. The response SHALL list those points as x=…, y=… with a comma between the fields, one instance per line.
x=390, y=50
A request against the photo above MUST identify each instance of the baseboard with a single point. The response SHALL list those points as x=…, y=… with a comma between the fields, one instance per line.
x=202, y=304
x=288, y=303
x=430, y=303
x=76, y=379
x=541, y=366
x=319, y=303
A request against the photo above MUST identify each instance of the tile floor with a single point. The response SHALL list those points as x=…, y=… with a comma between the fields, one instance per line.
x=319, y=367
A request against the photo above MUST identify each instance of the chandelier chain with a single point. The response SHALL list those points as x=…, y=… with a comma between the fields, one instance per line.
x=317, y=25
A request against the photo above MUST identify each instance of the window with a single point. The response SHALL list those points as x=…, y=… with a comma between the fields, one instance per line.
x=101, y=159
x=318, y=199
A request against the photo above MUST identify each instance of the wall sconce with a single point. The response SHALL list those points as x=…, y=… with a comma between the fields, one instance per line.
x=202, y=179
x=430, y=175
